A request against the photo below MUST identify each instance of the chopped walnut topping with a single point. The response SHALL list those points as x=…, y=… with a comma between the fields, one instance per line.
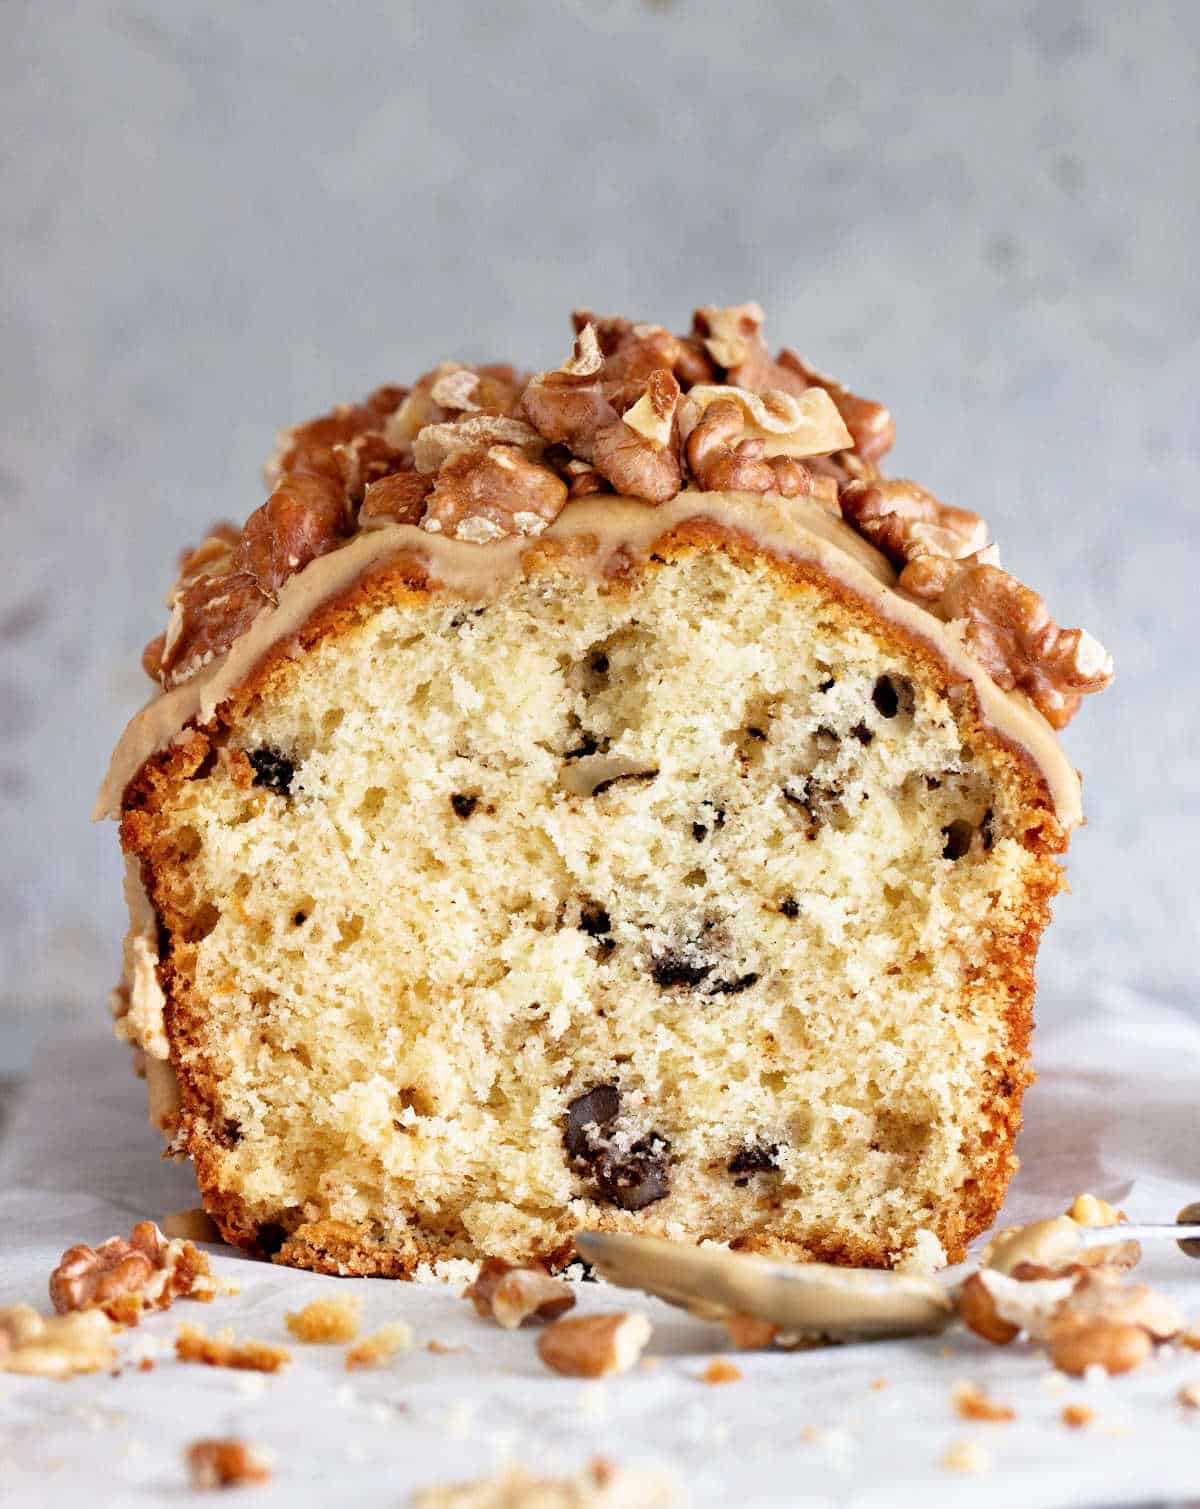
x=872, y=429
x=123, y=1278
x=400, y=497
x=905, y=521
x=192, y=1344
x=310, y=447
x=380, y=1347
x=325, y=1320
x=510, y=1295
x=484, y=496
x=594, y=1346
x=1010, y=632
x=226, y=1463
x=57, y=1347
x=439, y=443
x=974, y=1403
x=616, y=416
x=720, y=458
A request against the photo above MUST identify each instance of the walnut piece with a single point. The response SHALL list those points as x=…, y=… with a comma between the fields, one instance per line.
x=872, y=429
x=400, y=498
x=311, y=447
x=721, y=459
x=485, y=496
x=974, y=1403
x=226, y=1462
x=325, y=1320
x=192, y=1344
x=582, y=404
x=58, y=1347
x=124, y=1278
x=594, y=1346
x=380, y=1347
x=510, y=1295
x=1009, y=630
x=905, y=521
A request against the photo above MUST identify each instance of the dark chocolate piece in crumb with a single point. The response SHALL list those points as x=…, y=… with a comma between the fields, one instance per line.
x=594, y=921
x=755, y=1158
x=732, y=987
x=596, y=1107
x=463, y=805
x=885, y=697
x=790, y=907
x=672, y=969
x=272, y=769
x=639, y=1178
x=958, y=835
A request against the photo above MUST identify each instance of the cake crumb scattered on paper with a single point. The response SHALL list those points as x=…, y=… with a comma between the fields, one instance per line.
x=967, y=1457
x=721, y=1371
x=1076, y=1416
x=335, y=1319
x=380, y=1347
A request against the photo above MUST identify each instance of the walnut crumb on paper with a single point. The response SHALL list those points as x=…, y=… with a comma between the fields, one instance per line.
x=226, y=1463
x=1077, y=1416
x=192, y=1344
x=972, y=1403
x=720, y=1371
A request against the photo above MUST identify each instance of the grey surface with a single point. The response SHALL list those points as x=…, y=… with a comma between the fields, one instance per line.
x=219, y=219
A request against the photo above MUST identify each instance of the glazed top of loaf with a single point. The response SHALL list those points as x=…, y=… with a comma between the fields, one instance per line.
x=638, y=432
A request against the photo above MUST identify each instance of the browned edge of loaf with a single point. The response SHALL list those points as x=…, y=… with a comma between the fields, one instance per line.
x=337, y=1247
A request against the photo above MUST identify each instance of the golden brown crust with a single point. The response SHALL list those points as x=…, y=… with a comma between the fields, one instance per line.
x=336, y=1247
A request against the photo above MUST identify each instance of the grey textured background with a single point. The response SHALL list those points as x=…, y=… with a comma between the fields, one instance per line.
x=220, y=219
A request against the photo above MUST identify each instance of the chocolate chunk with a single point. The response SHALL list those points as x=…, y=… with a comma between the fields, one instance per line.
x=229, y=1133
x=631, y=775
x=731, y=987
x=600, y=665
x=673, y=969
x=272, y=769
x=987, y=830
x=596, y=1107
x=790, y=907
x=463, y=805
x=639, y=1178
x=588, y=747
x=699, y=832
x=594, y=921
x=886, y=698
x=755, y=1158
x=862, y=733
x=958, y=836
x=827, y=685
x=299, y=919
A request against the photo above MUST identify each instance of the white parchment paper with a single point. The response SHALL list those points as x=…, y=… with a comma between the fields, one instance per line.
x=1114, y=1112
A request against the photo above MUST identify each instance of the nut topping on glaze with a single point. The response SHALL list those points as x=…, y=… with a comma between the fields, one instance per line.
x=485, y=453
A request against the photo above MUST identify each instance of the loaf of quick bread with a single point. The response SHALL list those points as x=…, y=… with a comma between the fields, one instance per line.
x=596, y=799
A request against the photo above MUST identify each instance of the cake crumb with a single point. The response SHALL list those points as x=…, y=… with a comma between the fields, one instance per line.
x=192, y=1344
x=444, y=1348
x=967, y=1457
x=380, y=1347
x=1189, y=1396
x=878, y=1385
x=325, y=1320
x=226, y=1463
x=1076, y=1416
x=720, y=1371
x=973, y=1403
